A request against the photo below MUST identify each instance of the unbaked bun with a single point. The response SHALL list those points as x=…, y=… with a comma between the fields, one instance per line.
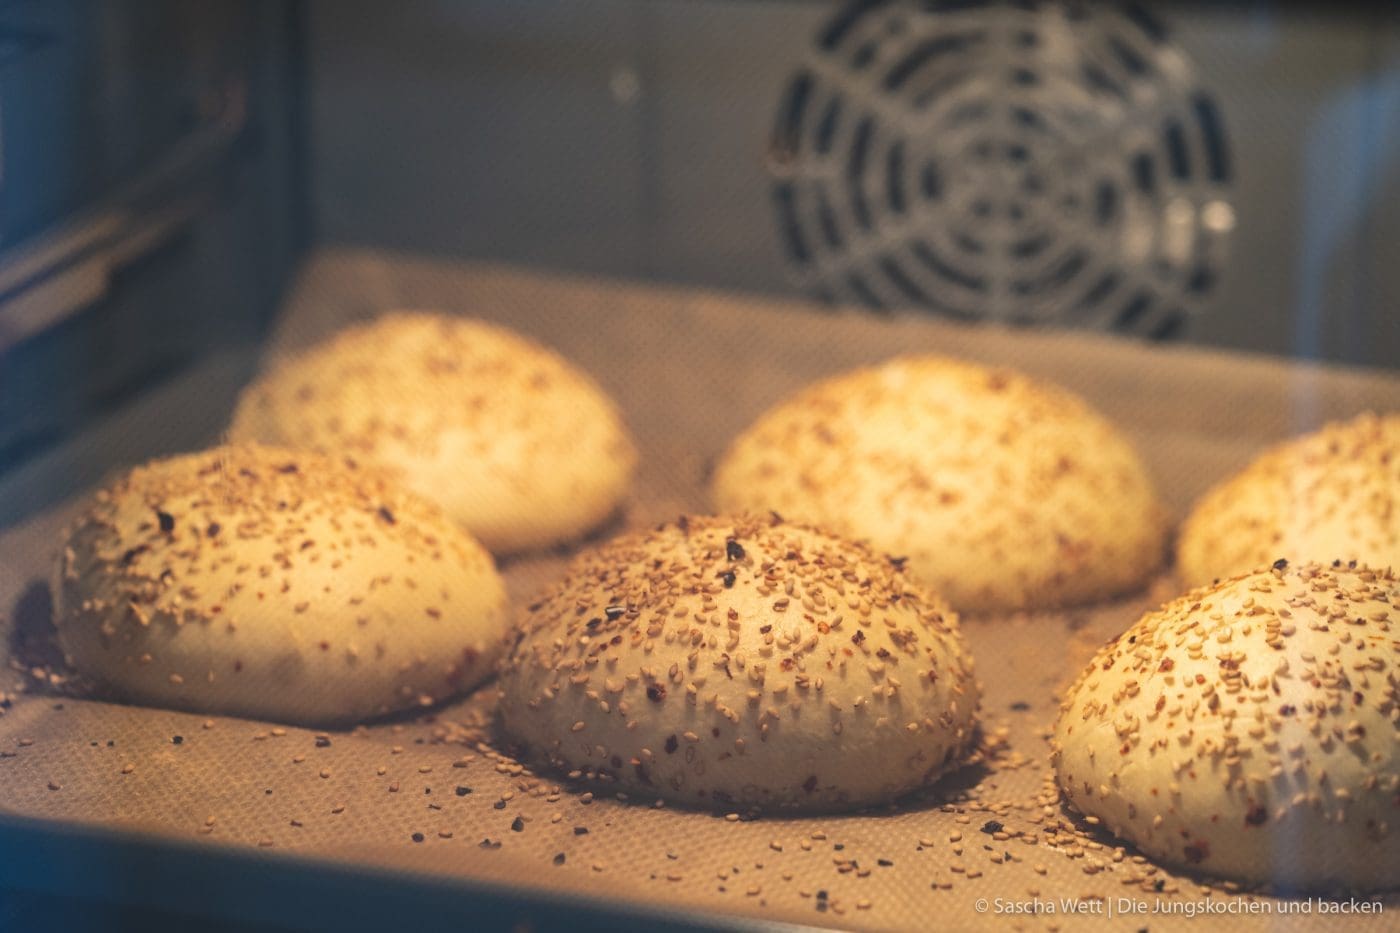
x=739, y=662
x=1333, y=494
x=1003, y=492
x=1250, y=730
x=515, y=443
x=276, y=585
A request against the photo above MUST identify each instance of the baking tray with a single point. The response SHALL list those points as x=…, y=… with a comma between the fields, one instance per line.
x=110, y=802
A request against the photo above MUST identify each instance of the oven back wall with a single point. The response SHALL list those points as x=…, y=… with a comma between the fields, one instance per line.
x=632, y=139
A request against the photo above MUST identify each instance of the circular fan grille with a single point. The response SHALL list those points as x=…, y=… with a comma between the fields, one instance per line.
x=1024, y=162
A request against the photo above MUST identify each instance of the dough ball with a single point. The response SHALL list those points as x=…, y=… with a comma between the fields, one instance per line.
x=1333, y=494
x=739, y=662
x=1249, y=730
x=277, y=585
x=516, y=444
x=1003, y=492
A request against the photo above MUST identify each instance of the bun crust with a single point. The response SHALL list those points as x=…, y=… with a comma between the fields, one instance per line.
x=1333, y=494
x=1250, y=730
x=278, y=585
x=742, y=662
x=1003, y=492
x=515, y=443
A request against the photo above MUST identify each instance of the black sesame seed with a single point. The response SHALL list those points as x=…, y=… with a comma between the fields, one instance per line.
x=213, y=529
x=734, y=550
x=614, y=613
x=559, y=858
x=1281, y=563
x=177, y=740
x=166, y=520
x=883, y=862
x=386, y=515
x=499, y=804
x=580, y=830
x=322, y=741
x=728, y=578
x=517, y=825
x=417, y=837
x=1020, y=706
x=992, y=826
x=462, y=791
x=656, y=693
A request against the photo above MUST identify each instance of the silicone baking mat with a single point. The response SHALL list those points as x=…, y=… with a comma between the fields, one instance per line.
x=991, y=846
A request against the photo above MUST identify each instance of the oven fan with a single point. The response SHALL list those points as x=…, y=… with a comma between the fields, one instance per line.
x=1018, y=162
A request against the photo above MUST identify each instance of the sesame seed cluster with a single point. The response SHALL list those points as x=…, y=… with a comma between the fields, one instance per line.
x=742, y=662
x=1250, y=730
x=514, y=442
x=1003, y=492
x=275, y=583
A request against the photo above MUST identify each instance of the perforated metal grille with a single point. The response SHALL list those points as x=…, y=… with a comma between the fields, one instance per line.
x=1023, y=162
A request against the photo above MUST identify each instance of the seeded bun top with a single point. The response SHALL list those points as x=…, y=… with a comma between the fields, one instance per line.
x=1250, y=730
x=1333, y=494
x=1003, y=492
x=276, y=584
x=514, y=442
x=745, y=661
